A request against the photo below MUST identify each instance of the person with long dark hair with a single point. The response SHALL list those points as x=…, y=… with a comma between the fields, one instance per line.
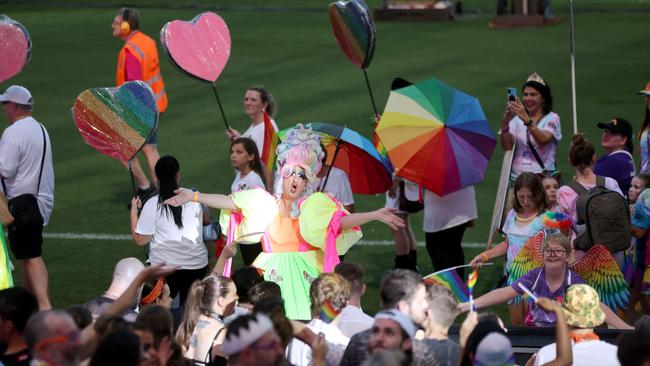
x=245, y=158
x=259, y=105
x=532, y=128
x=175, y=234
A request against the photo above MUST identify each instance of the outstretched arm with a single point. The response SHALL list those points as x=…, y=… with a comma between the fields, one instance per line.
x=498, y=296
x=614, y=320
x=184, y=195
x=385, y=215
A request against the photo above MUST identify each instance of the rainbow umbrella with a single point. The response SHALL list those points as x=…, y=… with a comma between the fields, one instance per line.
x=436, y=136
x=368, y=171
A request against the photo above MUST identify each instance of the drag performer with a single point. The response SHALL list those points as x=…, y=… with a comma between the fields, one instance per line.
x=303, y=233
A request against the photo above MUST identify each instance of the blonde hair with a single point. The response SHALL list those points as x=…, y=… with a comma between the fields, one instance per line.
x=330, y=287
x=557, y=239
x=443, y=305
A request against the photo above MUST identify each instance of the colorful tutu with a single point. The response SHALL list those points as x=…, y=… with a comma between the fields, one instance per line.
x=6, y=280
x=293, y=272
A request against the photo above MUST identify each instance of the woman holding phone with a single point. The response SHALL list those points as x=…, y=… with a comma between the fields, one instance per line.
x=532, y=128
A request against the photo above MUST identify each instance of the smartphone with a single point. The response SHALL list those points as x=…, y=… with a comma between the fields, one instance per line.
x=512, y=94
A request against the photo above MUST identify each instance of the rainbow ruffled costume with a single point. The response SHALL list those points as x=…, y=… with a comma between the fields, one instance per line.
x=295, y=250
x=6, y=280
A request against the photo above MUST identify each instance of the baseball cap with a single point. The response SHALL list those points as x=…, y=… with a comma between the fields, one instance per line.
x=619, y=126
x=646, y=91
x=494, y=350
x=17, y=94
x=397, y=316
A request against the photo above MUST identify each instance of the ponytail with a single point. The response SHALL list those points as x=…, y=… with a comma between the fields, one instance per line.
x=200, y=301
x=167, y=169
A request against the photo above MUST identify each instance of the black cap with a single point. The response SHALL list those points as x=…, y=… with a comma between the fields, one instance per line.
x=620, y=126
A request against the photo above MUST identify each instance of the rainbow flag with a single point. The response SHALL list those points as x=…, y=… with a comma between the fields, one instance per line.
x=450, y=280
x=381, y=149
x=271, y=140
x=328, y=312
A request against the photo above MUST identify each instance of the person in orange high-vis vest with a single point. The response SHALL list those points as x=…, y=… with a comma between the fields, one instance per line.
x=138, y=60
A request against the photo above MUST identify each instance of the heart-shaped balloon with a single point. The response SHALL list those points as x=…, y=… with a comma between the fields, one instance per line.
x=200, y=47
x=15, y=47
x=117, y=121
x=354, y=30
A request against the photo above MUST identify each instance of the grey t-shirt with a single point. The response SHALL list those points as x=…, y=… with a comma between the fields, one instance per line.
x=447, y=352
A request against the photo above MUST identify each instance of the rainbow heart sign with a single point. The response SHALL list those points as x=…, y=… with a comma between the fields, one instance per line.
x=15, y=48
x=354, y=30
x=117, y=121
x=200, y=47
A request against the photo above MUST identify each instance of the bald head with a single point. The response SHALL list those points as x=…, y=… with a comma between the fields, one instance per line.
x=52, y=335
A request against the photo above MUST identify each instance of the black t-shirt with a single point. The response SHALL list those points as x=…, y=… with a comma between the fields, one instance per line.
x=20, y=358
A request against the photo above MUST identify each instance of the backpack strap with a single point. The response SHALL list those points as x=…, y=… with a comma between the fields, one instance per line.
x=600, y=181
x=577, y=187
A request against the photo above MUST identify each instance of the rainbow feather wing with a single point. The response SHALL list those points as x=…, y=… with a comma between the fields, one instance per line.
x=529, y=257
x=599, y=269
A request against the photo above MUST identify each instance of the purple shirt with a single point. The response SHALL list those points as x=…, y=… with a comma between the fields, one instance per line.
x=535, y=281
x=619, y=166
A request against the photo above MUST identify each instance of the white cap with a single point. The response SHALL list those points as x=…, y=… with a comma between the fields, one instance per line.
x=235, y=341
x=17, y=94
x=404, y=322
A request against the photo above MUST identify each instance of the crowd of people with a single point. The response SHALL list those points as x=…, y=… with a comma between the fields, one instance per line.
x=296, y=300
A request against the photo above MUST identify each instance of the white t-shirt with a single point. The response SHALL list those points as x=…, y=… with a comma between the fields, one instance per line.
x=250, y=181
x=453, y=209
x=170, y=244
x=21, y=150
x=353, y=320
x=524, y=160
x=338, y=185
x=299, y=353
x=593, y=353
x=256, y=133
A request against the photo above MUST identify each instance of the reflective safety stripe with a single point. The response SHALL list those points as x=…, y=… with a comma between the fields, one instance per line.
x=136, y=49
x=153, y=79
x=159, y=95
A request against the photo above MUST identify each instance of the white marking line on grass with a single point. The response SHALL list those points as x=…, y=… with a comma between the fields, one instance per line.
x=96, y=236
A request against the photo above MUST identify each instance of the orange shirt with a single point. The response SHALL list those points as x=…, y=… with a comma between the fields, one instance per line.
x=284, y=234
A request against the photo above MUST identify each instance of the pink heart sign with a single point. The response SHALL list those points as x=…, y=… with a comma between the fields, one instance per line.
x=15, y=47
x=200, y=47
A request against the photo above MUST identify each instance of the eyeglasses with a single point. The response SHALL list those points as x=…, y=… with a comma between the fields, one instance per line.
x=555, y=252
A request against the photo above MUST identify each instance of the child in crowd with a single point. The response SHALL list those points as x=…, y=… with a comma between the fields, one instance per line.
x=245, y=158
x=524, y=220
x=551, y=184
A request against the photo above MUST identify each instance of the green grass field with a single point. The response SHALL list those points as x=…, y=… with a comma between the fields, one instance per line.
x=292, y=52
